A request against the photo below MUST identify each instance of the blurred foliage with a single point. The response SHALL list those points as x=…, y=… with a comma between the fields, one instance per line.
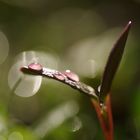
x=76, y=35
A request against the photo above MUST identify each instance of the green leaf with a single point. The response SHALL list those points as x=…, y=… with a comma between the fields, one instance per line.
x=113, y=62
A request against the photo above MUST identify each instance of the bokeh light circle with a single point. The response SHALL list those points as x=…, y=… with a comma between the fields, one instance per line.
x=2, y=138
x=27, y=85
x=4, y=47
x=15, y=136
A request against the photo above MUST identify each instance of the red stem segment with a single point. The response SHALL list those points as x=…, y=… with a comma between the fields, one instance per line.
x=104, y=114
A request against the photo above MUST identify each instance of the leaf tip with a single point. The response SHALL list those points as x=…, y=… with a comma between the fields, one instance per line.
x=128, y=25
x=130, y=22
x=114, y=61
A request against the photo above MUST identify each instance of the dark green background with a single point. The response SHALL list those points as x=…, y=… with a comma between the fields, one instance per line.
x=67, y=29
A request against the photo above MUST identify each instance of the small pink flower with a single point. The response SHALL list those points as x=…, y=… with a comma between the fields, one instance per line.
x=59, y=77
x=72, y=76
x=35, y=66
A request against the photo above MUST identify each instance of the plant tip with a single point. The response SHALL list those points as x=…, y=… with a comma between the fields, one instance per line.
x=130, y=22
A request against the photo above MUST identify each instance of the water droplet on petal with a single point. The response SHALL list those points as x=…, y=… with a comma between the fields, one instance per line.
x=72, y=76
x=35, y=66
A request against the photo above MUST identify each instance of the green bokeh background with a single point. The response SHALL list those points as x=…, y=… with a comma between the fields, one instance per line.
x=78, y=34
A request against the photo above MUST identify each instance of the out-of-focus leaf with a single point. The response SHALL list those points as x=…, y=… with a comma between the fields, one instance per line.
x=113, y=62
x=21, y=133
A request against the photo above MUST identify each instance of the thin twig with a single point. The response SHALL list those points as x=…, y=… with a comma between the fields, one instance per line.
x=60, y=76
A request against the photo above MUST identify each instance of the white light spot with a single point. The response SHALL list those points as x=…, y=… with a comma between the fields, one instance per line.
x=28, y=86
x=68, y=71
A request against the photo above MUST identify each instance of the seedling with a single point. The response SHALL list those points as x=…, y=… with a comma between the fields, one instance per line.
x=101, y=98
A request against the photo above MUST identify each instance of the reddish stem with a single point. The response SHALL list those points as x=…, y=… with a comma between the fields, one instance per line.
x=104, y=114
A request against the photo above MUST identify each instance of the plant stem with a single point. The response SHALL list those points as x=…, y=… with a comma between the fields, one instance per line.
x=103, y=110
x=104, y=114
x=59, y=76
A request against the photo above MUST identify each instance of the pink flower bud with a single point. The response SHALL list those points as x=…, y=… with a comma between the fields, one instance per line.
x=35, y=66
x=59, y=77
x=72, y=76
